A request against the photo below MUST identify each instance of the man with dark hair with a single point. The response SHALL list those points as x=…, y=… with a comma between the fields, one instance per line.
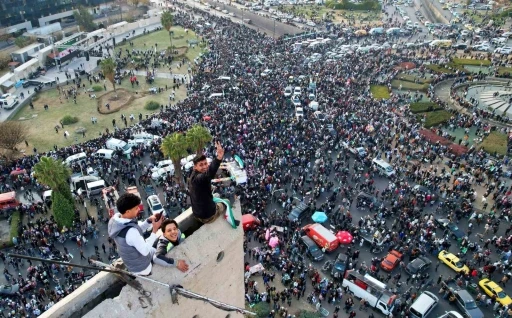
x=123, y=228
x=200, y=188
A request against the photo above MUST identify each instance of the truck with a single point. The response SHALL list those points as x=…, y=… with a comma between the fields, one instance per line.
x=372, y=290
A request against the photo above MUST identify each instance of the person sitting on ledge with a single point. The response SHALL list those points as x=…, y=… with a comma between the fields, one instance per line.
x=205, y=208
x=171, y=237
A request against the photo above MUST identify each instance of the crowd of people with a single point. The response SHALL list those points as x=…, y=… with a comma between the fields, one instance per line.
x=302, y=159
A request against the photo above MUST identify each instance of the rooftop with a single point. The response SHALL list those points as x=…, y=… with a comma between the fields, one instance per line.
x=214, y=253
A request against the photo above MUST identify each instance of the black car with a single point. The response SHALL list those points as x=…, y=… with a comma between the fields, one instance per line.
x=418, y=265
x=452, y=228
x=460, y=46
x=32, y=83
x=312, y=250
x=299, y=212
x=365, y=199
x=340, y=266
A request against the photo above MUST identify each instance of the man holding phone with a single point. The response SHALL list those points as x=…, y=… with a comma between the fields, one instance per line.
x=124, y=229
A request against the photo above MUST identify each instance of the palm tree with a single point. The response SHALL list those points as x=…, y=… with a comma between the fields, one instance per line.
x=55, y=174
x=166, y=20
x=108, y=67
x=197, y=138
x=175, y=146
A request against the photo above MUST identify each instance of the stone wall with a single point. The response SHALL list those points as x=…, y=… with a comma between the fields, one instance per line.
x=221, y=280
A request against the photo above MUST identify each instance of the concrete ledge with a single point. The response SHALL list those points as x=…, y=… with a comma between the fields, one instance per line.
x=221, y=280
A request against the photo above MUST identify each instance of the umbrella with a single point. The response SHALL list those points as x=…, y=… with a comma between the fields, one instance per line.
x=273, y=241
x=267, y=234
x=344, y=237
x=239, y=161
x=319, y=217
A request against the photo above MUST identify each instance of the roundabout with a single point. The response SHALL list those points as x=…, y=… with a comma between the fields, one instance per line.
x=491, y=97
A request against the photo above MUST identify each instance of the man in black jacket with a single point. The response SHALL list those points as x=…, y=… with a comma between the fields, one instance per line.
x=200, y=188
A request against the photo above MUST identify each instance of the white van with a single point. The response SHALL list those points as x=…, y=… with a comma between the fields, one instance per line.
x=162, y=164
x=383, y=168
x=423, y=305
x=79, y=157
x=118, y=144
x=8, y=101
x=47, y=197
x=145, y=136
x=95, y=187
x=104, y=154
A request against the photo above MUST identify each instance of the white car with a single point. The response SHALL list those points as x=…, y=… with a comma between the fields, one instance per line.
x=465, y=33
x=296, y=100
x=311, y=24
x=504, y=50
x=297, y=91
x=155, y=206
x=299, y=112
x=266, y=72
x=318, y=115
x=482, y=47
x=288, y=91
x=162, y=172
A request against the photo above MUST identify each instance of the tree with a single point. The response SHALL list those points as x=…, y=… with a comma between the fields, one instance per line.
x=63, y=210
x=55, y=174
x=175, y=147
x=197, y=138
x=136, y=3
x=108, y=67
x=23, y=41
x=12, y=133
x=84, y=19
x=166, y=20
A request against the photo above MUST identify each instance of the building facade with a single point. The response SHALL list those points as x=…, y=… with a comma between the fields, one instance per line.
x=14, y=12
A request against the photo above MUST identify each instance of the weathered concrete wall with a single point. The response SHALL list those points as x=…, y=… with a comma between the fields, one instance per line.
x=222, y=281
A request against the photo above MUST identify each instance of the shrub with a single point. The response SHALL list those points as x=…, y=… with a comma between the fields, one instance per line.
x=261, y=309
x=495, y=143
x=379, y=91
x=409, y=85
x=97, y=88
x=422, y=107
x=413, y=78
x=471, y=62
x=308, y=314
x=15, y=222
x=434, y=118
x=152, y=105
x=371, y=5
x=63, y=210
x=69, y=120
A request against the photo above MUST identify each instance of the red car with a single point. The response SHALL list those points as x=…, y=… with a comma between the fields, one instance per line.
x=391, y=260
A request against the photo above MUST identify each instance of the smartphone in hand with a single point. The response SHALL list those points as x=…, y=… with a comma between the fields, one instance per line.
x=158, y=216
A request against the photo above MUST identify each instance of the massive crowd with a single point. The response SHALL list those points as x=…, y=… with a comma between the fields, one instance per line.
x=254, y=120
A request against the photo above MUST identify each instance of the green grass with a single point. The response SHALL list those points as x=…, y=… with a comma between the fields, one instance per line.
x=423, y=107
x=413, y=78
x=162, y=40
x=495, y=142
x=13, y=230
x=409, y=86
x=434, y=118
x=379, y=91
x=502, y=70
x=440, y=69
x=458, y=61
x=42, y=133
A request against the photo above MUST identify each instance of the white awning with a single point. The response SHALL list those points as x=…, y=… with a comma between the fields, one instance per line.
x=7, y=83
